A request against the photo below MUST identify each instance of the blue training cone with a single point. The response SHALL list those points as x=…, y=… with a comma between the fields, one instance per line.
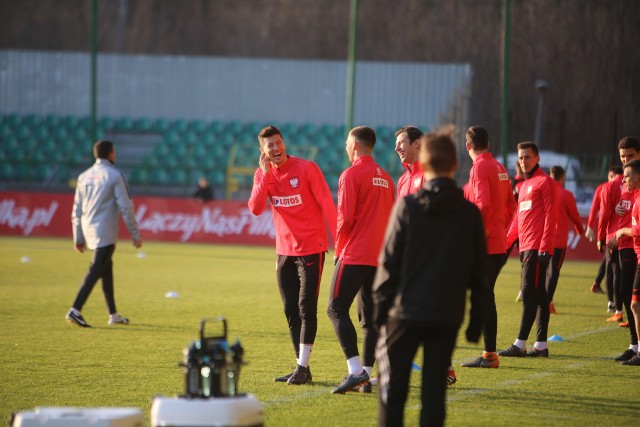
x=555, y=338
x=415, y=366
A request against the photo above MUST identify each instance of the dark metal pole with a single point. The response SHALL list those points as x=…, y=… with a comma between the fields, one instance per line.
x=542, y=86
x=94, y=70
x=504, y=104
x=351, y=65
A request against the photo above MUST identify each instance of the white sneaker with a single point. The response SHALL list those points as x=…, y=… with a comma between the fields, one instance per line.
x=116, y=319
x=375, y=380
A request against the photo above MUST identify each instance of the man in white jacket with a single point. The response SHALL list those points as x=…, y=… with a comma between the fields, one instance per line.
x=101, y=193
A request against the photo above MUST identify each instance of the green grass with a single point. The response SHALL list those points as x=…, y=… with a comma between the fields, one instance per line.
x=46, y=362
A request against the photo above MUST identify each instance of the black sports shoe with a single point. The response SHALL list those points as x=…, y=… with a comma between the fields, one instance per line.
x=285, y=378
x=76, y=319
x=534, y=352
x=634, y=361
x=627, y=355
x=513, y=351
x=366, y=387
x=301, y=375
x=483, y=362
x=351, y=381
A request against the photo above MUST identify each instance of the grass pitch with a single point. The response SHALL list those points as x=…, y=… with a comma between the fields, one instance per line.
x=46, y=362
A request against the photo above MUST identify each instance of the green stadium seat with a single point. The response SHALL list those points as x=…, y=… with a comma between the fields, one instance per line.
x=42, y=172
x=217, y=127
x=32, y=120
x=179, y=151
x=142, y=125
x=124, y=124
x=190, y=138
x=161, y=125
x=69, y=122
x=234, y=128
x=139, y=176
x=6, y=171
x=199, y=126
x=23, y=132
x=217, y=178
x=14, y=120
x=22, y=171
x=178, y=177
x=180, y=126
x=106, y=123
x=158, y=177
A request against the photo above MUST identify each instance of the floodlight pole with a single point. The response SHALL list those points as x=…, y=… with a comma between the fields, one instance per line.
x=94, y=70
x=351, y=65
x=504, y=104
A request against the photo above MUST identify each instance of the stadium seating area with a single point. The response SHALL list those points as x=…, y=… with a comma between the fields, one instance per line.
x=51, y=150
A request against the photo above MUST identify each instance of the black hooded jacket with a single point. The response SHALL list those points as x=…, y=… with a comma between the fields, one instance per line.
x=434, y=251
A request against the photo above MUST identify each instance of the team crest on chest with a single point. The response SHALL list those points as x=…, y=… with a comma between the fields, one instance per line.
x=294, y=182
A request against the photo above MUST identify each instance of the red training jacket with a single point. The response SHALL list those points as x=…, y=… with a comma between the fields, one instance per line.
x=535, y=223
x=567, y=214
x=365, y=198
x=410, y=181
x=609, y=198
x=635, y=225
x=300, y=201
x=490, y=190
x=595, y=208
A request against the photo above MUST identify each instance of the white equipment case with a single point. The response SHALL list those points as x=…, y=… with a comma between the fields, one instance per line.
x=79, y=417
x=236, y=411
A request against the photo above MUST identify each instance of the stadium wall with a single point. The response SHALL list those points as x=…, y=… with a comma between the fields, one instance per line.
x=233, y=89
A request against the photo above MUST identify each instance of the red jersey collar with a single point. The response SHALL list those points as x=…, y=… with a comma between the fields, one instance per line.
x=414, y=167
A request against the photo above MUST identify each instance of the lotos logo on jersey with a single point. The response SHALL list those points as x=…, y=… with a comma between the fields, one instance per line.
x=286, y=202
x=294, y=182
x=379, y=182
x=503, y=177
x=525, y=206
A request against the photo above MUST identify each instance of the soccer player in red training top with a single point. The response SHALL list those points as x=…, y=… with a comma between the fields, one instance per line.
x=632, y=181
x=567, y=212
x=535, y=226
x=592, y=224
x=433, y=252
x=408, y=149
x=300, y=203
x=365, y=198
x=615, y=209
x=490, y=190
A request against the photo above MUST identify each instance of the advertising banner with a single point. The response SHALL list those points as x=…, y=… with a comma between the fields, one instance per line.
x=176, y=220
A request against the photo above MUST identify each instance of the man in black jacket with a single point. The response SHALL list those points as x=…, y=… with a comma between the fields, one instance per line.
x=434, y=251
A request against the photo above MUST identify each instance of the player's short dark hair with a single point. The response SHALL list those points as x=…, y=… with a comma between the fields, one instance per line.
x=634, y=165
x=629, y=142
x=412, y=132
x=268, y=131
x=478, y=138
x=557, y=172
x=438, y=153
x=529, y=145
x=102, y=149
x=365, y=135
x=617, y=170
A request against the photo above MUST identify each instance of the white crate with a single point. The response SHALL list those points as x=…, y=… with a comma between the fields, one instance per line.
x=79, y=417
x=238, y=411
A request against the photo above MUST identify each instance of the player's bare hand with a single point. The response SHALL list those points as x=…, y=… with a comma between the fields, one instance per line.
x=619, y=233
x=590, y=234
x=79, y=247
x=264, y=163
x=137, y=243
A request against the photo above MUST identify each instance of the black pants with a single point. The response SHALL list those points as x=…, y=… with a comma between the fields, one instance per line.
x=348, y=282
x=601, y=271
x=613, y=281
x=535, y=304
x=628, y=265
x=101, y=267
x=299, y=283
x=553, y=271
x=396, y=349
x=490, y=325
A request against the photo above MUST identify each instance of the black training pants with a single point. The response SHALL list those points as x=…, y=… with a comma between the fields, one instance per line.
x=535, y=304
x=101, y=267
x=299, y=283
x=490, y=325
x=397, y=346
x=628, y=264
x=348, y=282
